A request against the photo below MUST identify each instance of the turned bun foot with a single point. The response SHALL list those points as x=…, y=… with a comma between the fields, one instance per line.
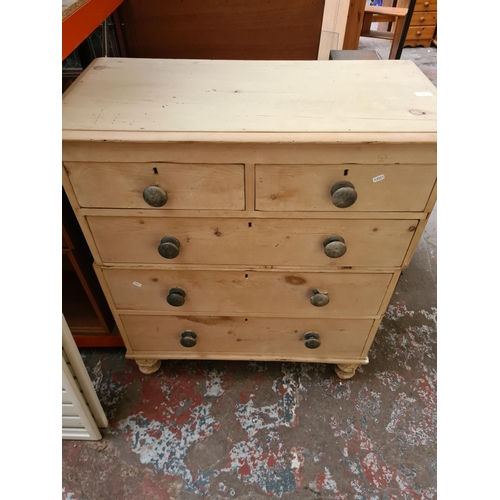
x=148, y=366
x=345, y=371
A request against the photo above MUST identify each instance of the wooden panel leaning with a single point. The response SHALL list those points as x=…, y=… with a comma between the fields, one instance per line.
x=250, y=209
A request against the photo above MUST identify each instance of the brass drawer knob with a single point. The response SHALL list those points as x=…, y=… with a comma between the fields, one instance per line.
x=422, y=19
x=176, y=297
x=319, y=299
x=188, y=338
x=312, y=340
x=343, y=194
x=334, y=246
x=426, y=4
x=154, y=196
x=169, y=247
x=419, y=33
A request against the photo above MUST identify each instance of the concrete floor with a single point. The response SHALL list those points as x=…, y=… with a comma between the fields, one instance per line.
x=424, y=58
x=254, y=430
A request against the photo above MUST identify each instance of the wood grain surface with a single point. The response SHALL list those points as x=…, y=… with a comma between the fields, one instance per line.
x=250, y=292
x=273, y=242
x=147, y=95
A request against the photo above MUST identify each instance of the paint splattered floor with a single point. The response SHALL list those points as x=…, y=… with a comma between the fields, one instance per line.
x=248, y=430
x=280, y=430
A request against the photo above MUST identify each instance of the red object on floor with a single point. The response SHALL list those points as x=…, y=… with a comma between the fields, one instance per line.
x=98, y=341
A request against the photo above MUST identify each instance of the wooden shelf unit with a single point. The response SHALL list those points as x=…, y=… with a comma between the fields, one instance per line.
x=83, y=303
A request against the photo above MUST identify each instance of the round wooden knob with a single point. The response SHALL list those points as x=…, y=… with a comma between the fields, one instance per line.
x=169, y=247
x=319, y=299
x=422, y=19
x=426, y=4
x=334, y=246
x=419, y=33
x=188, y=338
x=343, y=194
x=155, y=196
x=176, y=297
x=312, y=340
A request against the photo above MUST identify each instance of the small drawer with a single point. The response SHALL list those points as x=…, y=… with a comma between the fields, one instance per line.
x=158, y=185
x=420, y=32
x=343, y=188
x=226, y=337
x=425, y=5
x=318, y=294
x=276, y=242
x=423, y=19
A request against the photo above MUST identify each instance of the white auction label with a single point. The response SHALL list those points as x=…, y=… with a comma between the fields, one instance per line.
x=136, y=284
x=423, y=94
x=379, y=178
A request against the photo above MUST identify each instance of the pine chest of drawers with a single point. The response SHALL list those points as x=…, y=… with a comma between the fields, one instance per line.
x=423, y=23
x=250, y=210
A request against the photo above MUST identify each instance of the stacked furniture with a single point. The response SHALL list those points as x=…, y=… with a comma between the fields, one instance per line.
x=83, y=303
x=423, y=24
x=394, y=15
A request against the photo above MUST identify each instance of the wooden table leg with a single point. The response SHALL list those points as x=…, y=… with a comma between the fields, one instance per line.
x=398, y=31
x=354, y=24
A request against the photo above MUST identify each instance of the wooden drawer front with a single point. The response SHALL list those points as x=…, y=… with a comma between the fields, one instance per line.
x=425, y=5
x=244, y=337
x=283, y=242
x=246, y=292
x=420, y=32
x=424, y=19
x=188, y=186
x=306, y=188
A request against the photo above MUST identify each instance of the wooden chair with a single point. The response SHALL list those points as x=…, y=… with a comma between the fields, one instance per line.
x=393, y=15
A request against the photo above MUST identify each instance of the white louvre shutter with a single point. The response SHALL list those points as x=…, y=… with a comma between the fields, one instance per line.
x=82, y=413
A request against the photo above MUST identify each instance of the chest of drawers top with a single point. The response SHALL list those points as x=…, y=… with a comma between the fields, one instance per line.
x=162, y=100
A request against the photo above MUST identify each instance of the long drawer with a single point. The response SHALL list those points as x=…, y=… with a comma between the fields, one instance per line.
x=247, y=292
x=378, y=188
x=186, y=186
x=276, y=242
x=238, y=337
